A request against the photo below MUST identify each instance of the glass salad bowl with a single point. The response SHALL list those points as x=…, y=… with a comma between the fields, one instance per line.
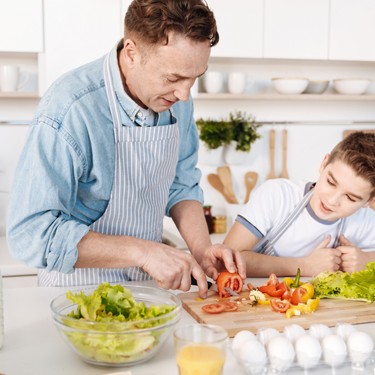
x=116, y=325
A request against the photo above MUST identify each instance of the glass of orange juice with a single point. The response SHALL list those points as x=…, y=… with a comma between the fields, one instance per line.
x=200, y=349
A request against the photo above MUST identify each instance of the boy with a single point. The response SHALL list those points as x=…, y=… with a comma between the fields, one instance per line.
x=327, y=226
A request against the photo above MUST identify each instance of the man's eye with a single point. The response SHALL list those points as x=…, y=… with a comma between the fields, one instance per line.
x=330, y=182
x=351, y=199
x=172, y=80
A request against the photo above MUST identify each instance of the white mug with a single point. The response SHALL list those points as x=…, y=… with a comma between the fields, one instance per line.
x=236, y=82
x=213, y=82
x=9, y=77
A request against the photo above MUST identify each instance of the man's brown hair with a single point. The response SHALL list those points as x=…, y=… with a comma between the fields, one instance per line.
x=152, y=20
x=357, y=150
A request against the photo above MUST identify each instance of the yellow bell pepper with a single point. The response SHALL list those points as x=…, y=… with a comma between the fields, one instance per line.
x=303, y=308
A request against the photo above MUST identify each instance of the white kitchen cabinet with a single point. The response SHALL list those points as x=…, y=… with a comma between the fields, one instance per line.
x=240, y=26
x=296, y=29
x=352, y=31
x=21, y=26
x=77, y=32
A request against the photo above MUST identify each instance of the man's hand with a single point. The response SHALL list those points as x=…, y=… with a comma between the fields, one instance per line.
x=218, y=257
x=172, y=268
x=322, y=259
x=352, y=257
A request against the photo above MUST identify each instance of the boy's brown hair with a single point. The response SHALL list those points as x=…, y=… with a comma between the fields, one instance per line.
x=152, y=20
x=357, y=150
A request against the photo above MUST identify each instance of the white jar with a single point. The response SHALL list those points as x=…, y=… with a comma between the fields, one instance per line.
x=213, y=82
x=236, y=82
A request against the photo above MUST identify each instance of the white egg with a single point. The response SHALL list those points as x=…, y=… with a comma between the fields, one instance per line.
x=280, y=353
x=319, y=331
x=265, y=334
x=308, y=351
x=253, y=356
x=293, y=331
x=344, y=330
x=240, y=339
x=334, y=350
x=360, y=346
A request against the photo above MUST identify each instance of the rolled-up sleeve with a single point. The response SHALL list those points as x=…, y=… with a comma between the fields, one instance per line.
x=41, y=231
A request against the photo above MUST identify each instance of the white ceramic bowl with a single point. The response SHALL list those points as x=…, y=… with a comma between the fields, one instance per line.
x=213, y=82
x=291, y=86
x=317, y=87
x=117, y=343
x=351, y=86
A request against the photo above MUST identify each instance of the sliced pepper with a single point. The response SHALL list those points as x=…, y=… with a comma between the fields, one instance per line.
x=303, y=308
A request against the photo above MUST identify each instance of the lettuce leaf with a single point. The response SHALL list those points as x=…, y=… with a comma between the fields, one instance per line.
x=119, y=319
x=356, y=285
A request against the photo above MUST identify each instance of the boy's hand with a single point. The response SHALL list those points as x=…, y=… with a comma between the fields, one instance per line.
x=323, y=258
x=352, y=257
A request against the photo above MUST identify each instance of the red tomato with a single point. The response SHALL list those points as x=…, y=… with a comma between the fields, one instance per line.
x=229, y=306
x=279, y=305
x=297, y=296
x=213, y=308
x=274, y=290
x=228, y=280
x=272, y=280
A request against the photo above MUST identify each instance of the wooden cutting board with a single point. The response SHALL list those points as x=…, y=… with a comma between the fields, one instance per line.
x=251, y=318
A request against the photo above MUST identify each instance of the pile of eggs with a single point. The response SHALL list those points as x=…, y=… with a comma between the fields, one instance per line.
x=295, y=346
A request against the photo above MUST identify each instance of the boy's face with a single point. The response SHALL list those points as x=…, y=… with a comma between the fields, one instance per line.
x=339, y=191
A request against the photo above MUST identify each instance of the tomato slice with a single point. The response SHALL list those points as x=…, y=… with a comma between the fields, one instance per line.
x=274, y=290
x=279, y=305
x=228, y=280
x=272, y=280
x=299, y=295
x=213, y=308
x=229, y=306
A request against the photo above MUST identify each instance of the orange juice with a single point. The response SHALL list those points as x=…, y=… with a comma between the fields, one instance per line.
x=200, y=360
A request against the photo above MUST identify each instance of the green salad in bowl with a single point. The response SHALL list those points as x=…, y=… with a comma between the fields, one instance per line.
x=116, y=325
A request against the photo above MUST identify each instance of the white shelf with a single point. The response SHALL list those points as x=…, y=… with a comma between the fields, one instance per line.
x=19, y=95
x=309, y=97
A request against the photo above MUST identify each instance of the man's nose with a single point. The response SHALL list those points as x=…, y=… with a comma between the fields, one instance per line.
x=182, y=92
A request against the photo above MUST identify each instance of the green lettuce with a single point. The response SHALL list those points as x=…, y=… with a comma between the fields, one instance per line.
x=117, y=336
x=356, y=285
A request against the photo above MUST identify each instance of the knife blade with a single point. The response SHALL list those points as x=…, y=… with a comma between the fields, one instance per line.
x=231, y=292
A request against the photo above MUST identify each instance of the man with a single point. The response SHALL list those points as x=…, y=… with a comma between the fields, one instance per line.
x=112, y=149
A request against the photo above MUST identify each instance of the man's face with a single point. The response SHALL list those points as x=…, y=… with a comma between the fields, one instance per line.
x=339, y=191
x=157, y=78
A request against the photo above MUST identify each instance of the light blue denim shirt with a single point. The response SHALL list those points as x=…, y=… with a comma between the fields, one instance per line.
x=64, y=175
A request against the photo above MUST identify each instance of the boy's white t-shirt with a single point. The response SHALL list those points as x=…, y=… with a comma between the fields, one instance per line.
x=271, y=203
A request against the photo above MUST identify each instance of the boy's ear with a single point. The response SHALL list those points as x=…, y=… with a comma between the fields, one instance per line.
x=324, y=163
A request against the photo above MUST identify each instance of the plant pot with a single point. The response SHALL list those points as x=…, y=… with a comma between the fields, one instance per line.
x=208, y=156
x=232, y=156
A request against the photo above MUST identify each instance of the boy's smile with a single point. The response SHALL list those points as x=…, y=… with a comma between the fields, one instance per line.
x=339, y=191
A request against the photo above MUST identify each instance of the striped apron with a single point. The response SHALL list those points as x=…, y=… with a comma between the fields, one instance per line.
x=146, y=160
x=266, y=244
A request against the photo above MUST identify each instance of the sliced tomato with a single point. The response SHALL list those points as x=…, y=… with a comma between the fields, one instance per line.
x=279, y=305
x=272, y=280
x=299, y=295
x=213, y=308
x=250, y=286
x=228, y=280
x=274, y=290
x=229, y=306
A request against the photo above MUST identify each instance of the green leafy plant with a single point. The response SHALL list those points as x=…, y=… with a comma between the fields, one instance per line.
x=240, y=128
x=244, y=130
x=214, y=133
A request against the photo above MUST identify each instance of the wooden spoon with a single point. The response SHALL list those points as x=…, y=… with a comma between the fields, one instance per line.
x=272, y=173
x=250, y=181
x=284, y=170
x=215, y=182
x=225, y=176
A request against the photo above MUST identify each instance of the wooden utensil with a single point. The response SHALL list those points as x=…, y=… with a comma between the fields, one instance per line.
x=215, y=182
x=250, y=181
x=272, y=173
x=225, y=176
x=284, y=170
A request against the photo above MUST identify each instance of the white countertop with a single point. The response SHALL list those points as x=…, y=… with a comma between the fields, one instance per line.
x=32, y=344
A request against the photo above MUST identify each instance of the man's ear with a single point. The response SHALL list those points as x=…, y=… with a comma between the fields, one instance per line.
x=324, y=163
x=370, y=203
x=129, y=51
